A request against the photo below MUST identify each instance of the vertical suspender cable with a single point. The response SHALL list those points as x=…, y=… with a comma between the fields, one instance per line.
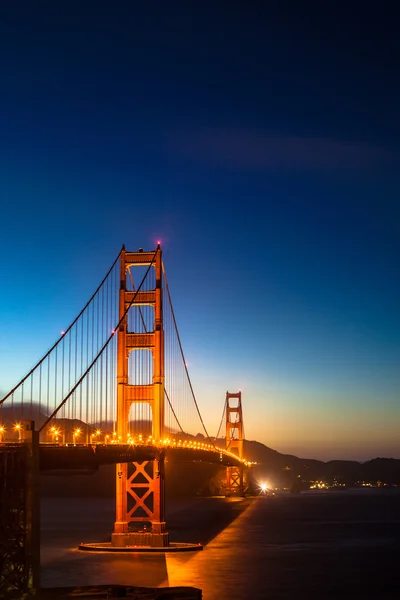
x=183, y=357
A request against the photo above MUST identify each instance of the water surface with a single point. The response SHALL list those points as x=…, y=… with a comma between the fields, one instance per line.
x=343, y=545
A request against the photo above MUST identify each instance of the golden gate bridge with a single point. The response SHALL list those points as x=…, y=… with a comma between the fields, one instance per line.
x=115, y=388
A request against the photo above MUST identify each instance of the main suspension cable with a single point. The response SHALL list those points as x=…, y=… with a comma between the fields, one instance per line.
x=222, y=420
x=233, y=432
x=145, y=330
x=62, y=335
x=172, y=408
x=104, y=346
x=183, y=356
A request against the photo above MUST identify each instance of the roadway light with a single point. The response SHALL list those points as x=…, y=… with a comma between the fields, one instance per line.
x=265, y=489
x=94, y=434
x=18, y=427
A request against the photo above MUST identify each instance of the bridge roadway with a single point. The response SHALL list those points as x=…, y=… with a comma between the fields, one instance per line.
x=82, y=456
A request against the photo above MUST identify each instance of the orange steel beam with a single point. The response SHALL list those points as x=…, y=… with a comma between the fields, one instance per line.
x=132, y=504
x=234, y=443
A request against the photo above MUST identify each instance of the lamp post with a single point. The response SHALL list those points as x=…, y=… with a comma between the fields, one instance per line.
x=76, y=434
x=55, y=432
x=18, y=427
x=94, y=435
x=2, y=431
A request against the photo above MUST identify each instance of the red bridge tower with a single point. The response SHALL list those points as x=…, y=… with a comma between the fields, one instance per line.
x=234, y=443
x=140, y=491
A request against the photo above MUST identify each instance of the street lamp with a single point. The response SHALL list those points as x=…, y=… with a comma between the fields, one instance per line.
x=2, y=431
x=54, y=432
x=77, y=433
x=95, y=434
x=18, y=427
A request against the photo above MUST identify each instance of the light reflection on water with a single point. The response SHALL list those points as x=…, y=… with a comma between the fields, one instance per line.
x=276, y=548
x=66, y=523
x=223, y=569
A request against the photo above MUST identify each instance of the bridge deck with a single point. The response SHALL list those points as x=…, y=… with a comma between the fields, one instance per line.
x=81, y=456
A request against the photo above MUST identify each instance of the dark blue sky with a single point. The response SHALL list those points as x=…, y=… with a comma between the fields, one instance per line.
x=261, y=145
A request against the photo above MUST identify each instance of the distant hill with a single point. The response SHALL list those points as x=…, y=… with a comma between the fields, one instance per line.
x=285, y=469
x=279, y=470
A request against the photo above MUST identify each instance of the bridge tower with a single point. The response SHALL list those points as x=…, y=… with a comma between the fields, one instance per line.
x=234, y=442
x=140, y=490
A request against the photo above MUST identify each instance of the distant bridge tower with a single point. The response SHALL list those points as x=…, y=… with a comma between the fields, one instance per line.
x=234, y=443
x=140, y=492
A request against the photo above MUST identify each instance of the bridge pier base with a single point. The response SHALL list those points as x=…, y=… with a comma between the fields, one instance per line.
x=140, y=505
x=235, y=482
x=141, y=538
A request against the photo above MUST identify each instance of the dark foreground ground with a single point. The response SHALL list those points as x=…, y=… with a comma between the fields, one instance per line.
x=343, y=545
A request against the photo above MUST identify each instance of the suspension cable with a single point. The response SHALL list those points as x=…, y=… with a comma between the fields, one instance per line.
x=183, y=356
x=173, y=412
x=139, y=307
x=232, y=431
x=145, y=330
x=63, y=334
x=222, y=420
x=103, y=348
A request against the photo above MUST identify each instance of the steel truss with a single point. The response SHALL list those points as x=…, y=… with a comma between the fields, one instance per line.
x=16, y=570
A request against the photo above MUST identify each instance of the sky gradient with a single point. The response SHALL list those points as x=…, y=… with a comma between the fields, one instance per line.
x=262, y=148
